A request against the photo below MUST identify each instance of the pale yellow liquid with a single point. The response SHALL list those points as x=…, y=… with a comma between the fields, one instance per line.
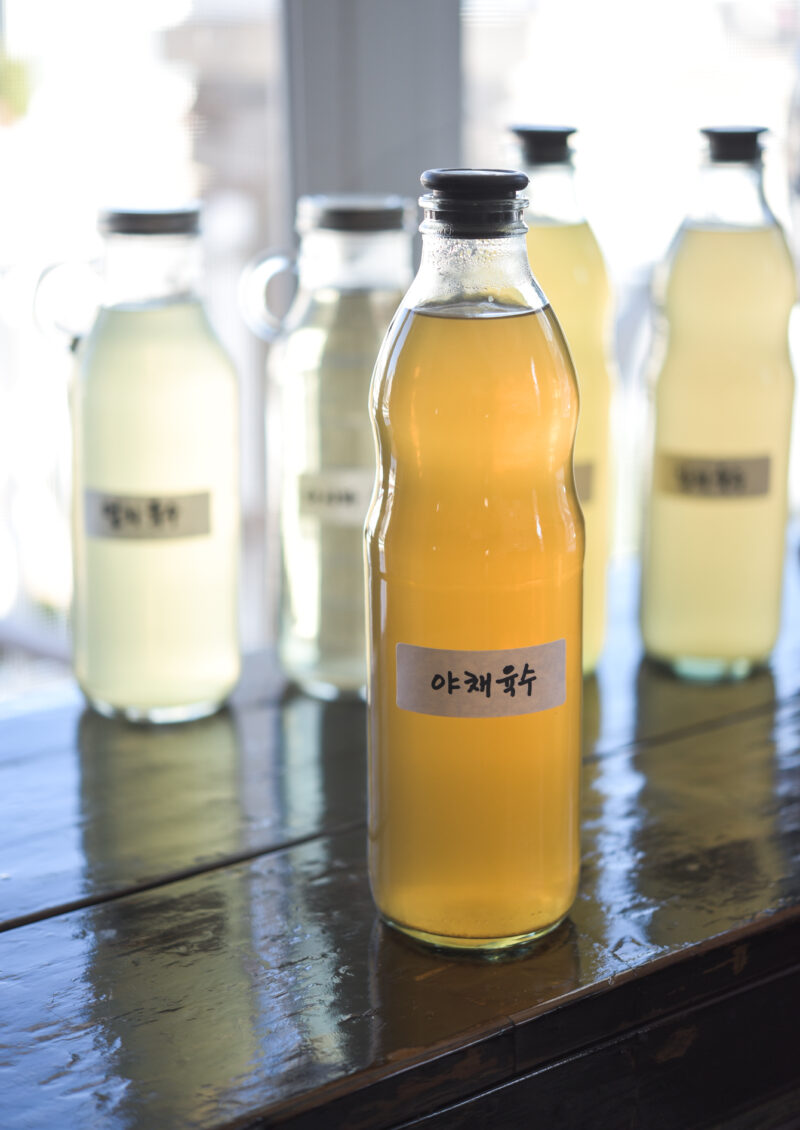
x=324, y=367
x=567, y=263
x=711, y=582
x=474, y=541
x=155, y=412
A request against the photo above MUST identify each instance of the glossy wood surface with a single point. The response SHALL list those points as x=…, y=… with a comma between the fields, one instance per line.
x=187, y=937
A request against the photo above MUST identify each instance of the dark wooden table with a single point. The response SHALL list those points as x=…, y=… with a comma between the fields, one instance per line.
x=188, y=938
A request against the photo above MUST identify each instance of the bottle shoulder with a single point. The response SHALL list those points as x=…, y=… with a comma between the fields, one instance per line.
x=178, y=333
x=431, y=349
x=744, y=274
x=460, y=401
x=728, y=245
x=567, y=261
x=329, y=306
x=334, y=327
x=575, y=241
x=475, y=421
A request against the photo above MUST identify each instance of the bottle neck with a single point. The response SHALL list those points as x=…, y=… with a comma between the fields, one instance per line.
x=552, y=193
x=474, y=277
x=141, y=270
x=730, y=194
x=354, y=260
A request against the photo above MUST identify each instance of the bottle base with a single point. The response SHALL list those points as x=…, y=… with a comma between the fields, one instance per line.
x=479, y=947
x=700, y=670
x=157, y=715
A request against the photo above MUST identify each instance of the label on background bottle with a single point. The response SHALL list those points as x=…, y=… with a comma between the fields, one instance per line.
x=152, y=516
x=339, y=496
x=481, y=684
x=584, y=481
x=745, y=477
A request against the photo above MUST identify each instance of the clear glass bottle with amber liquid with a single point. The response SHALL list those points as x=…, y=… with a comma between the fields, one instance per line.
x=722, y=405
x=155, y=483
x=353, y=266
x=567, y=262
x=474, y=549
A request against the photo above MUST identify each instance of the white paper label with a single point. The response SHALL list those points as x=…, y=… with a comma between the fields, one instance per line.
x=713, y=478
x=339, y=496
x=153, y=516
x=584, y=481
x=481, y=684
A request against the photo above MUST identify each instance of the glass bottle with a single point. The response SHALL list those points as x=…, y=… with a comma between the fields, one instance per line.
x=567, y=263
x=474, y=549
x=155, y=483
x=354, y=263
x=715, y=520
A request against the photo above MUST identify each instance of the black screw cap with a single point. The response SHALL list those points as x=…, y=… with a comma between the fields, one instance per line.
x=544, y=145
x=354, y=212
x=474, y=184
x=150, y=221
x=734, y=143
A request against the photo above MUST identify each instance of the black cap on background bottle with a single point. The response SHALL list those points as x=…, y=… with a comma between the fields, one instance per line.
x=734, y=143
x=354, y=212
x=544, y=145
x=184, y=220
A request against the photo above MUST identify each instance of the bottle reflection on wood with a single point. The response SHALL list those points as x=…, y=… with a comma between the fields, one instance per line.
x=413, y=989
x=322, y=774
x=592, y=715
x=322, y=786
x=704, y=840
x=154, y=801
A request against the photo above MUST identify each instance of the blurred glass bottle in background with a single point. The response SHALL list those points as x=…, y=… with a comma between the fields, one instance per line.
x=567, y=262
x=155, y=483
x=354, y=263
x=715, y=521
x=793, y=233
